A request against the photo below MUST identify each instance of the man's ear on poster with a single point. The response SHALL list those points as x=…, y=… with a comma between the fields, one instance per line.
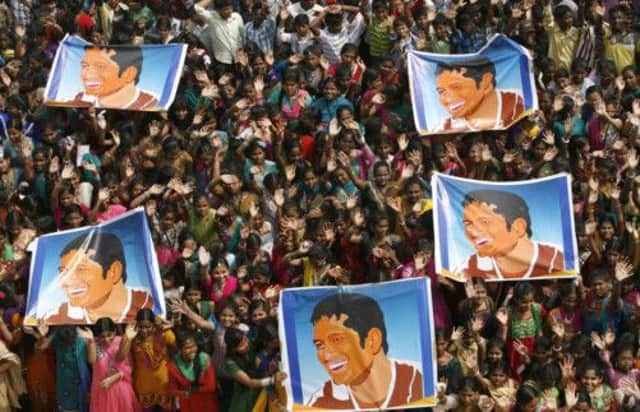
x=373, y=342
x=519, y=227
x=487, y=83
x=129, y=74
x=114, y=273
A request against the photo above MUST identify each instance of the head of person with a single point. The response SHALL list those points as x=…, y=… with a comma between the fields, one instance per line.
x=522, y=296
x=188, y=349
x=91, y=265
x=563, y=16
x=224, y=8
x=591, y=375
x=469, y=392
x=462, y=88
x=349, y=333
x=105, y=70
x=498, y=373
x=236, y=342
x=494, y=221
x=105, y=330
x=527, y=397
x=145, y=322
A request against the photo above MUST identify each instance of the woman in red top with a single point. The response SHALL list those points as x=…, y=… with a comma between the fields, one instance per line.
x=192, y=378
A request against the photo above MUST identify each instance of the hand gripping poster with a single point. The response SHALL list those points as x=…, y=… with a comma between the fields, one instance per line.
x=125, y=77
x=504, y=230
x=359, y=348
x=108, y=270
x=487, y=90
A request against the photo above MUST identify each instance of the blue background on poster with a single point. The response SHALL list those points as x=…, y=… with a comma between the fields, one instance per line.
x=549, y=210
x=138, y=256
x=408, y=330
x=158, y=74
x=512, y=73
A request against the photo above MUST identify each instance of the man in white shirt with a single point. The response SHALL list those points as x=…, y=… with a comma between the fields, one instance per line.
x=308, y=7
x=225, y=29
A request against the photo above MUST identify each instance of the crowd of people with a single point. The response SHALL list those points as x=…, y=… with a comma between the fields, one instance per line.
x=289, y=158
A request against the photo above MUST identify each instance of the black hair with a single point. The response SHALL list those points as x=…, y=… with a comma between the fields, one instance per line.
x=181, y=339
x=104, y=325
x=108, y=249
x=124, y=57
x=509, y=205
x=363, y=314
x=527, y=392
x=232, y=338
x=520, y=290
x=498, y=366
x=145, y=314
x=473, y=69
x=221, y=4
x=471, y=383
x=265, y=333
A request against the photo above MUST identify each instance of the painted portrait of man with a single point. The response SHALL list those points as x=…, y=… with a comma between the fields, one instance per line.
x=469, y=95
x=350, y=339
x=498, y=226
x=93, y=274
x=110, y=76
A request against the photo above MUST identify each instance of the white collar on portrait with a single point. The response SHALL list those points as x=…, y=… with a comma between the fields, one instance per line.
x=77, y=312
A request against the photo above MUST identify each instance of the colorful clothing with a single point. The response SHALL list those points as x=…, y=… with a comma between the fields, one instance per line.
x=119, y=396
x=150, y=373
x=201, y=396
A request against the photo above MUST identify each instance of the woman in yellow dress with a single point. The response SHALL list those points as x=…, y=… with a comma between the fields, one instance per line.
x=150, y=358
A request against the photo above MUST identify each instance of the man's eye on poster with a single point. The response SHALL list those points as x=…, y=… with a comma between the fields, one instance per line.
x=504, y=231
x=82, y=275
x=488, y=90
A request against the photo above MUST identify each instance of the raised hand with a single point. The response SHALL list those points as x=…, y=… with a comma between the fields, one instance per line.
x=290, y=172
x=623, y=269
x=470, y=360
x=502, y=316
x=609, y=337
x=597, y=341
x=54, y=165
x=570, y=395
x=558, y=329
x=204, y=257
x=477, y=324
x=131, y=331
x=567, y=368
x=395, y=204
x=407, y=171
x=403, y=142
x=457, y=333
x=156, y=189
x=278, y=197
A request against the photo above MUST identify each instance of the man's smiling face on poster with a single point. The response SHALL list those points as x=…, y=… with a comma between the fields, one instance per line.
x=83, y=279
x=488, y=231
x=101, y=75
x=340, y=351
x=459, y=94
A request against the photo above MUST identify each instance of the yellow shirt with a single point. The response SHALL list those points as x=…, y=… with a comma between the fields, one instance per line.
x=620, y=49
x=563, y=45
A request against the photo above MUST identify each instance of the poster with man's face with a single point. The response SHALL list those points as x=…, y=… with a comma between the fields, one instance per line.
x=502, y=231
x=109, y=270
x=488, y=90
x=364, y=347
x=125, y=77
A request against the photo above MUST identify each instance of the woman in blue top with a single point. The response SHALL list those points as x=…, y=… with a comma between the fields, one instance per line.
x=330, y=101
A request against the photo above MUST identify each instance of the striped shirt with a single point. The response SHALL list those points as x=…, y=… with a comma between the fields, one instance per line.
x=262, y=35
x=379, y=31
